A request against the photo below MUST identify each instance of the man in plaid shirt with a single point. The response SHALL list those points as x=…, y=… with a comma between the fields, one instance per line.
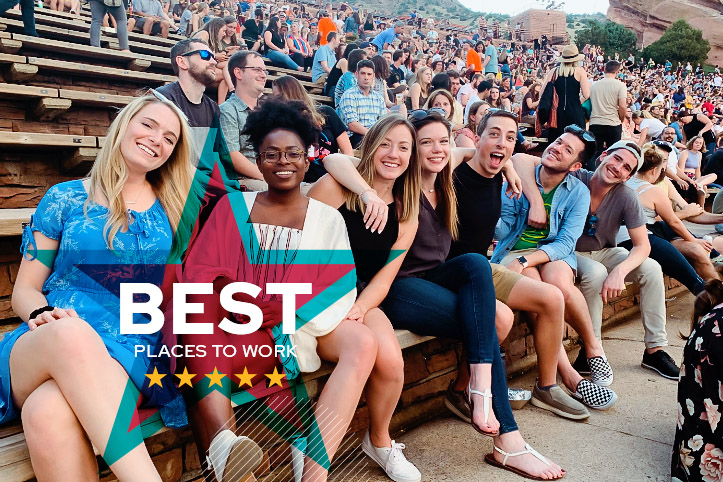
x=360, y=107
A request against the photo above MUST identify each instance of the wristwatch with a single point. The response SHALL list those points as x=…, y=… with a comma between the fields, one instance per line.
x=523, y=261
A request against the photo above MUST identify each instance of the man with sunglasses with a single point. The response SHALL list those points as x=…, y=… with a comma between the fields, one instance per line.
x=248, y=72
x=603, y=267
x=548, y=253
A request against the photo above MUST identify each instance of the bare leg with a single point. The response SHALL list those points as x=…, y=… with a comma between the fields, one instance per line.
x=165, y=27
x=547, y=303
x=148, y=26
x=504, y=318
x=59, y=448
x=698, y=256
x=92, y=382
x=354, y=349
x=386, y=380
x=481, y=380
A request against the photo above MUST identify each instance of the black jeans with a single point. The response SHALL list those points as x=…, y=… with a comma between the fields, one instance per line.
x=27, y=8
x=672, y=262
x=605, y=136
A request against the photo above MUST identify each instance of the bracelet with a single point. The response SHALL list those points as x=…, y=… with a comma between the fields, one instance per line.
x=366, y=191
x=35, y=313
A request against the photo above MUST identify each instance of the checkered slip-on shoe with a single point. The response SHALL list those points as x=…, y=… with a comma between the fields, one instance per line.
x=594, y=396
x=601, y=372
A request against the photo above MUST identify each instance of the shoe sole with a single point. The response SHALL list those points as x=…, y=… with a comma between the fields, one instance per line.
x=603, y=407
x=381, y=465
x=650, y=367
x=605, y=383
x=540, y=404
x=450, y=406
x=244, y=458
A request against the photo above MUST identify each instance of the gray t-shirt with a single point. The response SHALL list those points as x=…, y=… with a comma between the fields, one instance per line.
x=619, y=208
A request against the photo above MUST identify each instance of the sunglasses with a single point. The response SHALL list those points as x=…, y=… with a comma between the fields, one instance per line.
x=419, y=114
x=592, y=225
x=203, y=53
x=580, y=132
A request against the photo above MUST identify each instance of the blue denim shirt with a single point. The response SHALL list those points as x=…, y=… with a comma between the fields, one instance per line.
x=568, y=214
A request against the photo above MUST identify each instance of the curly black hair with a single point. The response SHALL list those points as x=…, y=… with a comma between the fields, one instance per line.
x=278, y=113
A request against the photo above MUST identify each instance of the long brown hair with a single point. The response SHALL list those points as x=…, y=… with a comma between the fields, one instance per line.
x=710, y=297
x=407, y=188
x=291, y=89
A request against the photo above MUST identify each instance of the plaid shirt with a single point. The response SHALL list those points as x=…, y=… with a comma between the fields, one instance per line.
x=364, y=109
x=233, y=120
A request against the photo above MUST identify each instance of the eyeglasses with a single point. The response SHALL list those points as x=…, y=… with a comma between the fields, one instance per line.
x=258, y=70
x=275, y=156
x=580, y=132
x=592, y=223
x=203, y=53
x=419, y=114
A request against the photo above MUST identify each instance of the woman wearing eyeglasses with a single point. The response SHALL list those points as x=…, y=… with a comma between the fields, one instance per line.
x=456, y=298
x=281, y=236
x=67, y=368
x=275, y=47
x=386, y=179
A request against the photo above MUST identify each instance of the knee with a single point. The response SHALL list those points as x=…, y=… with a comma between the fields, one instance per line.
x=362, y=353
x=698, y=254
x=44, y=415
x=504, y=319
x=650, y=270
x=593, y=275
x=390, y=364
x=553, y=299
x=71, y=339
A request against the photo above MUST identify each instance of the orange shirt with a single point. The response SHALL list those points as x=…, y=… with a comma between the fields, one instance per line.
x=473, y=61
x=326, y=25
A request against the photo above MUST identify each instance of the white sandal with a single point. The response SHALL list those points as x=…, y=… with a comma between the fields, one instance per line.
x=486, y=397
x=490, y=459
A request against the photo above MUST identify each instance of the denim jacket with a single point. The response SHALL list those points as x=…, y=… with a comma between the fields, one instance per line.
x=568, y=214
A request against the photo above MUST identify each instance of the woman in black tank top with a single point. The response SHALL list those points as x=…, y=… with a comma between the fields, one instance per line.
x=387, y=181
x=433, y=296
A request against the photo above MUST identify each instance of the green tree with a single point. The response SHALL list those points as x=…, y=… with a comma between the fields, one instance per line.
x=611, y=36
x=680, y=43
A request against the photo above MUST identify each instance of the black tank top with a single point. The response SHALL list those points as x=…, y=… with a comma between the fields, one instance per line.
x=370, y=250
x=333, y=77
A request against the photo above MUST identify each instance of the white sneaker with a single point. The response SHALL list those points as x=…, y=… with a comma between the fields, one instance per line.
x=239, y=454
x=392, y=460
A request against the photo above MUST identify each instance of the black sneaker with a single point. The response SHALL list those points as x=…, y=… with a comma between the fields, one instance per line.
x=662, y=363
x=580, y=364
x=456, y=403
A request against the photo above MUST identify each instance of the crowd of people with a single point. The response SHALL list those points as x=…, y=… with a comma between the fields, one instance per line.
x=421, y=152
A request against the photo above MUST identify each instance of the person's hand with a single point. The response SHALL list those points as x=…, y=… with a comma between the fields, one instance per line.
x=613, y=285
x=683, y=183
x=707, y=245
x=356, y=313
x=691, y=210
x=377, y=211
x=514, y=185
x=515, y=266
x=222, y=57
x=48, y=316
x=537, y=217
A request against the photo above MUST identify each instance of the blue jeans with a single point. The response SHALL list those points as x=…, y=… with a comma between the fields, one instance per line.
x=281, y=59
x=26, y=7
x=456, y=300
x=673, y=263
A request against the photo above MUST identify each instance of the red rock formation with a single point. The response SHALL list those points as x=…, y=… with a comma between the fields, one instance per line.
x=649, y=19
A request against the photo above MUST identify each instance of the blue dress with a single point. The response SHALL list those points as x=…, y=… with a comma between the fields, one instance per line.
x=86, y=276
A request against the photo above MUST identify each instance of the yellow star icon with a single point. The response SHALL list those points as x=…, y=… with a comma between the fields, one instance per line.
x=155, y=378
x=274, y=378
x=245, y=378
x=215, y=378
x=185, y=378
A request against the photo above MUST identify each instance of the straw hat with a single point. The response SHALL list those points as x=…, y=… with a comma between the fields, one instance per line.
x=570, y=54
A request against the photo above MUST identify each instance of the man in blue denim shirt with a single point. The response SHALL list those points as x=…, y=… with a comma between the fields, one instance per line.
x=547, y=252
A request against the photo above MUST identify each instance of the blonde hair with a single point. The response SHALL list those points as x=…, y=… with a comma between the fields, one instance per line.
x=567, y=69
x=447, y=94
x=171, y=182
x=420, y=72
x=291, y=89
x=689, y=144
x=407, y=188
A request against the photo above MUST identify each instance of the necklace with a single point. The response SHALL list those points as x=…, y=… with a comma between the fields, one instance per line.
x=138, y=196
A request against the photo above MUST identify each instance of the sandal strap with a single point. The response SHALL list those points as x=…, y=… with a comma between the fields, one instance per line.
x=528, y=450
x=486, y=393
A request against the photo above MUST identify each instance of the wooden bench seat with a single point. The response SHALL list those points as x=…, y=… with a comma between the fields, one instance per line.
x=15, y=463
x=77, y=68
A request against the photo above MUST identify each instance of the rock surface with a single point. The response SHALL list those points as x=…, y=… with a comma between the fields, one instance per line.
x=649, y=19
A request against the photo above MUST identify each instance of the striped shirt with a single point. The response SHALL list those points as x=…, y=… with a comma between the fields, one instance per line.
x=354, y=106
